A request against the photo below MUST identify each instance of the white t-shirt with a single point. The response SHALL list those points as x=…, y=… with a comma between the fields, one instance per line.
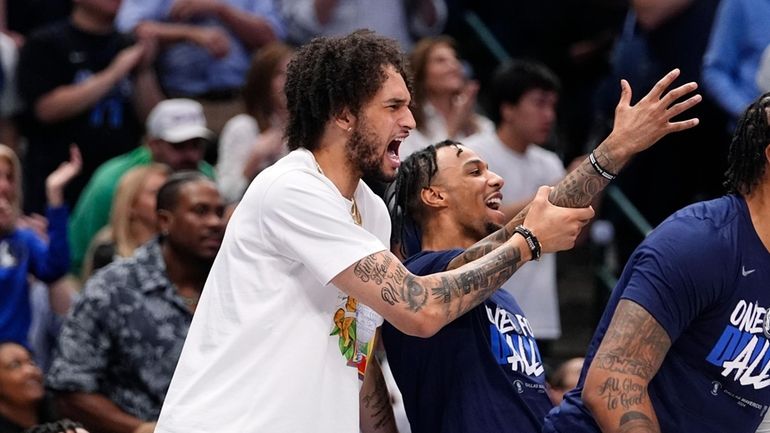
x=235, y=146
x=534, y=285
x=435, y=131
x=259, y=356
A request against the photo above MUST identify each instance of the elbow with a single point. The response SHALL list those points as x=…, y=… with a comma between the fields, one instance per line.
x=47, y=112
x=424, y=324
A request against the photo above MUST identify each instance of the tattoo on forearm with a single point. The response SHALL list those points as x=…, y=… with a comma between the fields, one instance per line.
x=482, y=247
x=370, y=269
x=378, y=403
x=579, y=187
x=458, y=291
x=404, y=288
x=636, y=422
x=625, y=394
x=635, y=344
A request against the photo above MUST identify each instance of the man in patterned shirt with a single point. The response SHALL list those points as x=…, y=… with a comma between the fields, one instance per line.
x=119, y=347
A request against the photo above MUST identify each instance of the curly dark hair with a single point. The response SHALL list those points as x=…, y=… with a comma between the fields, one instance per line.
x=406, y=210
x=746, y=161
x=328, y=75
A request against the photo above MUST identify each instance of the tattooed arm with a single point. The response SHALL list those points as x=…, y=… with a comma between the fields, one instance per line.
x=376, y=412
x=422, y=305
x=630, y=354
x=636, y=128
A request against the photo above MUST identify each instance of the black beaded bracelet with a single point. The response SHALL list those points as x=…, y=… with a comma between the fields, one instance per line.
x=532, y=242
x=599, y=169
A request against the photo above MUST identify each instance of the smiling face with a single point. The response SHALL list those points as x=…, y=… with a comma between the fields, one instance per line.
x=443, y=71
x=21, y=381
x=471, y=192
x=380, y=127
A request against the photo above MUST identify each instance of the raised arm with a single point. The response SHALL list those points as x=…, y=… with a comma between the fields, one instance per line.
x=636, y=128
x=631, y=353
x=422, y=305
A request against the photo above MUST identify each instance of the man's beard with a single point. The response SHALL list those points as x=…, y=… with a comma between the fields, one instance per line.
x=362, y=153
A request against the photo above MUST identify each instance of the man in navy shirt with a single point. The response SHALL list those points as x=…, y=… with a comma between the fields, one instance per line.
x=483, y=371
x=683, y=344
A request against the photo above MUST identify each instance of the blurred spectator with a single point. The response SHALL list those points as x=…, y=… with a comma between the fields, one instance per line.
x=22, y=251
x=738, y=39
x=24, y=16
x=118, y=348
x=23, y=403
x=81, y=81
x=254, y=140
x=10, y=102
x=133, y=220
x=207, y=45
x=763, y=74
x=573, y=38
x=402, y=20
x=524, y=95
x=564, y=379
x=444, y=99
x=660, y=35
x=176, y=136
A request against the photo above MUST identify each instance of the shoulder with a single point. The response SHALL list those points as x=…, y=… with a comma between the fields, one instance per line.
x=240, y=122
x=697, y=236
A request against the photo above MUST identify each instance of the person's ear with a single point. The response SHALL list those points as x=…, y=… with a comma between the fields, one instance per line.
x=345, y=120
x=165, y=220
x=433, y=196
x=507, y=111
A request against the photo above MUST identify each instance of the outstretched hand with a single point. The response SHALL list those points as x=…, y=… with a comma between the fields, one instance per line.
x=639, y=126
x=59, y=178
x=555, y=227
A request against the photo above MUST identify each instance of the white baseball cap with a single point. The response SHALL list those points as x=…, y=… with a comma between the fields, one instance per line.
x=178, y=120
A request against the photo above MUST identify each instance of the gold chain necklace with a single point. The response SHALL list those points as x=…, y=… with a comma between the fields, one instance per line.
x=354, y=213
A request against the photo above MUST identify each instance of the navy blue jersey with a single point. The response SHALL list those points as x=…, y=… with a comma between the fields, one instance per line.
x=480, y=373
x=704, y=275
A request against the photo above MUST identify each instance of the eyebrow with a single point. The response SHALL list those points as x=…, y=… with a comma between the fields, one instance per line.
x=401, y=101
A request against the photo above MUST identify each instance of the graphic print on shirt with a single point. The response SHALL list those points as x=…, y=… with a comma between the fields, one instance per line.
x=109, y=109
x=743, y=351
x=513, y=342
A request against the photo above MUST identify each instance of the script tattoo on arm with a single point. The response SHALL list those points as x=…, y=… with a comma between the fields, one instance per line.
x=635, y=343
x=578, y=189
x=376, y=410
x=629, y=357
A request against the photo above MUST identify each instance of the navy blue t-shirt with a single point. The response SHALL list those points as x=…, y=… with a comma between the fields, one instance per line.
x=480, y=373
x=704, y=275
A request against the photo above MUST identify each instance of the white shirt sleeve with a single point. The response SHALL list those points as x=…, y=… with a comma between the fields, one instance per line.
x=306, y=219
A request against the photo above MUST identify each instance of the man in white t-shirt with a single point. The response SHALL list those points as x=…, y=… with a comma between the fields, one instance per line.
x=523, y=107
x=273, y=347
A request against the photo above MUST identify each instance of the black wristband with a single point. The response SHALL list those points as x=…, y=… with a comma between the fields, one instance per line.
x=599, y=169
x=532, y=242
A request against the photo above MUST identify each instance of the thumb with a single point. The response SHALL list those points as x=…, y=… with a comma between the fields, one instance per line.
x=625, y=93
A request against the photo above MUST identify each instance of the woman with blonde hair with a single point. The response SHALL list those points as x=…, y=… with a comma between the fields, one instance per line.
x=254, y=140
x=28, y=248
x=132, y=217
x=444, y=98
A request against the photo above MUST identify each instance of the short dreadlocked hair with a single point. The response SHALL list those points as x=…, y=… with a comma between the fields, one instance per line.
x=406, y=208
x=746, y=161
x=328, y=75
